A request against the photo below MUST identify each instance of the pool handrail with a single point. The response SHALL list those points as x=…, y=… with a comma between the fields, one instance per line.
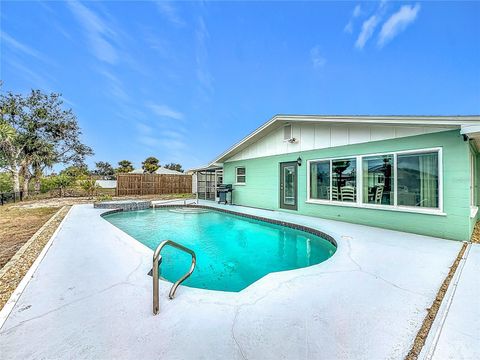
x=157, y=260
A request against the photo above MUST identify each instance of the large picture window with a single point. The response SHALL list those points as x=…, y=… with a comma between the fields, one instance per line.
x=398, y=181
x=418, y=180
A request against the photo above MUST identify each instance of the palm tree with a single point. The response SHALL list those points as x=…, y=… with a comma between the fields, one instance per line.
x=125, y=166
x=89, y=186
x=44, y=157
x=10, y=152
x=62, y=182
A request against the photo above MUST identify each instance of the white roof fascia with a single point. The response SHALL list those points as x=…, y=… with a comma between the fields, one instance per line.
x=469, y=129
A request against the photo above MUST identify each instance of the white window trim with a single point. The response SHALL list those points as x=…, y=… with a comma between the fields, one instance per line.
x=472, y=180
x=473, y=206
x=359, y=193
x=236, y=175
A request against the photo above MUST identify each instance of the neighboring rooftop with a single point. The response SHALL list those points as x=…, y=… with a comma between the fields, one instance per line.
x=106, y=184
x=160, y=171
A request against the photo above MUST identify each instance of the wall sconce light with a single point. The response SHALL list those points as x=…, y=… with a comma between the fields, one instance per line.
x=299, y=161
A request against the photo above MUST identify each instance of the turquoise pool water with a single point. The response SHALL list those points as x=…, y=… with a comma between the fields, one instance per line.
x=232, y=251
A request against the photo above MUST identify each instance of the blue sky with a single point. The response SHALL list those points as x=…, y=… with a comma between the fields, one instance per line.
x=183, y=81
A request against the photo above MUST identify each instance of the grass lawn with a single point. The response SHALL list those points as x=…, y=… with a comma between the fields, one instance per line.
x=17, y=225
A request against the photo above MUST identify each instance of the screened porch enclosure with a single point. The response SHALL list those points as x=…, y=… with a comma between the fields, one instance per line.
x=207, y=183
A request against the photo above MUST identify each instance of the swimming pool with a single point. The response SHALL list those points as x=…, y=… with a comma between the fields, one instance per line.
x=232, y=251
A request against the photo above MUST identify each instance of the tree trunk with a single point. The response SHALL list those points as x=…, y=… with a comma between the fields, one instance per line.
x=38, y=175
x=26, y=178
x=26, y=182
x=37, y=185
x=16, y=180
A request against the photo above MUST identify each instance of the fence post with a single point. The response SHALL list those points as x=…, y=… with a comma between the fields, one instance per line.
x=1, y=198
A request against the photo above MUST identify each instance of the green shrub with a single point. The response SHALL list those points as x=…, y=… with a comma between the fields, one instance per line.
x=6, y=182
x=89, y=186
x=47, y=184
x=104, y=198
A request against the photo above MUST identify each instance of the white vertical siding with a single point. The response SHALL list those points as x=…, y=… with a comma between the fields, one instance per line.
x=323, y=136
x=319, y=136
x=339, y=135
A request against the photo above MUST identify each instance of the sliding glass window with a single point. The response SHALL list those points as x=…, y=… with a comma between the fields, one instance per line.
x=417, y=180
x=344, y=180
x=320, y=180
x=403, y=179
x=378, y=180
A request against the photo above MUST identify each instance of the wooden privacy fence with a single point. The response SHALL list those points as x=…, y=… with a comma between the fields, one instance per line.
x=153, y=184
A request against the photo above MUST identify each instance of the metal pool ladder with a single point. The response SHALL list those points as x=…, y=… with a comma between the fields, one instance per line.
x=157, y=260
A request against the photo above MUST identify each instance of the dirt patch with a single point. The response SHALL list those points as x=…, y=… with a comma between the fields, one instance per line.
x=14, y=271
x=476, y=233
x=422, y=334
x=17, y=225
x=54, y=202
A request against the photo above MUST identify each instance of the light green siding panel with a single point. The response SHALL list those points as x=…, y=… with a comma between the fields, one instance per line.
x=476, y=172
x=262, y=184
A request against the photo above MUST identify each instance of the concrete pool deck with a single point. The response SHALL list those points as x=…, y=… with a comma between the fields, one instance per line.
x=90, y=297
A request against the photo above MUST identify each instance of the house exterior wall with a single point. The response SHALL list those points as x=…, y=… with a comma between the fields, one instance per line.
x=475, y=172
x=320, y=136
x=262, y=186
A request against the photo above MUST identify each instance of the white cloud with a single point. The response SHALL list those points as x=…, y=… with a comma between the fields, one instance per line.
x=116, y=86
x=99, y=34
x=35, y=79
x=170, y=143
x=173, y=134
x=204, y=76
x=349, y=27
x=22, y=48
x=357, y=11
x=318, y=60
x=149, y=141
x=397, y=23
x=170, y=12
x=144, y=128
x=368, y=27
x=166, y=111
x=173, y=145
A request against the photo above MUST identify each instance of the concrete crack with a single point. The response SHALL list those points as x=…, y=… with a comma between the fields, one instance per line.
x=349, y=252
x=64, y=306
x=237, y=310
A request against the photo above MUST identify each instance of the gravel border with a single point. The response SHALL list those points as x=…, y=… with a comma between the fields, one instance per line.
x=422, y=334
x=476, y=233
x=17, y=267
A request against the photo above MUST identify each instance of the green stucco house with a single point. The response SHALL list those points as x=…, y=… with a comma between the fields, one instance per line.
x=410, y=173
